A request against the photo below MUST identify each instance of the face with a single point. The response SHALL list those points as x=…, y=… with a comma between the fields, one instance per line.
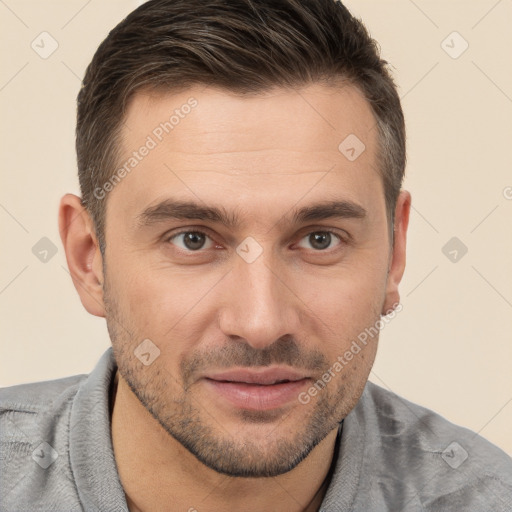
x=251, y=253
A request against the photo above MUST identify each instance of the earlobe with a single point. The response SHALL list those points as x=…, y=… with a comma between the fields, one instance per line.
x=398, y=255
x=82, y=253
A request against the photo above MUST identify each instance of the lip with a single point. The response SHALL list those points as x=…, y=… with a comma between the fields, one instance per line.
x=257, y=390
x=263, y=376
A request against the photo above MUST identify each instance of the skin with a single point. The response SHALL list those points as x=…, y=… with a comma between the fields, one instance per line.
x=176, y=442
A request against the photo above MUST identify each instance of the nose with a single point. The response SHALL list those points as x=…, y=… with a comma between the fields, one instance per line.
x=259, y=305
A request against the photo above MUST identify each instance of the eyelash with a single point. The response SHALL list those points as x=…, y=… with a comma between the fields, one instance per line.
x=341, y=239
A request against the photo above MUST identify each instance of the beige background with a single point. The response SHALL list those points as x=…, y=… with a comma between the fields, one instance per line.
x=449, y=349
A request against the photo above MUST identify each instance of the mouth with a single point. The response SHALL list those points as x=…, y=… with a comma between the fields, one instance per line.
x=257, y=390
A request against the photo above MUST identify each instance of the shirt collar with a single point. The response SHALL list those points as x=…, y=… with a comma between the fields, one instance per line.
x=90, y=441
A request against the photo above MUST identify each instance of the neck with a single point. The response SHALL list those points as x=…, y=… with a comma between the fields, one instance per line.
x=155, y=470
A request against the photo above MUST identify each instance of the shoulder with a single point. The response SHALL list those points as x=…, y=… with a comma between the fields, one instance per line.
x=34, y=430
x=34, y=395
x=37, y=397
x=29, y=412
x=445, y=464
x=26, y=403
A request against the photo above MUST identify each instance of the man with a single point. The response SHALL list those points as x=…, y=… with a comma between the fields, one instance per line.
x=242, y=229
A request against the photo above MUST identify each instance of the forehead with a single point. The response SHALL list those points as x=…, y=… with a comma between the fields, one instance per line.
x=207, y=144
x=280, y=118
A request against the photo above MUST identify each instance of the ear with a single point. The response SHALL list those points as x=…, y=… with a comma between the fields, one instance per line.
x=82, y=253
x=397, y=259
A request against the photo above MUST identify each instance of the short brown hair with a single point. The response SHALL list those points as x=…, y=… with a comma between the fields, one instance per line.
x=243, y=46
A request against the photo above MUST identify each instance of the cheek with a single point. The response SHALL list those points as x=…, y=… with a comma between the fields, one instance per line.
x=348, y=297
x=167, y=307
x=343, y=311
x=145, y=301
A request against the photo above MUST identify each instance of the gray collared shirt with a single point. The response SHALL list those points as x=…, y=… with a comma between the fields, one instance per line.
x=56, y=454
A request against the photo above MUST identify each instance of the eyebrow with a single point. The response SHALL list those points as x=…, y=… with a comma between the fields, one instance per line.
x=169, y=209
